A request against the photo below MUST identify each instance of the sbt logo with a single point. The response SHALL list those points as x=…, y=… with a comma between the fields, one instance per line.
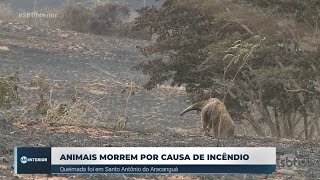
x=24, y=159
x=290, y=161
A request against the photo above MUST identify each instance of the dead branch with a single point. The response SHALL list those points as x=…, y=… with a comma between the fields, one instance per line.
x=298, y=90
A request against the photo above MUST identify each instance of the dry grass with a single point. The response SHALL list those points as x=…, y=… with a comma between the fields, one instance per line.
x=8, y=90
x=49, y=102
x=74, y=111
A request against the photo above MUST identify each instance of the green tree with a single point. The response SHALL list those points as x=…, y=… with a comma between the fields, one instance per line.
x=264, y=67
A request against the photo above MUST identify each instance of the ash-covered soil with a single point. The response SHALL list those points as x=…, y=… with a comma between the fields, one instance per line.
x=22, y=134
x=99, y=69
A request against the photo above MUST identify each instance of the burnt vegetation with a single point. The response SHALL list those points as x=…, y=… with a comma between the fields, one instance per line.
x=9, y=90
x=260, y=59
x=100, y=18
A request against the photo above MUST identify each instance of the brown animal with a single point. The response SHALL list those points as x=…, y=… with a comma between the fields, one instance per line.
x=213, y=113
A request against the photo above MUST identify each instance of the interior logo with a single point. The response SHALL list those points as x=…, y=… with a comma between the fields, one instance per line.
x=24, y=159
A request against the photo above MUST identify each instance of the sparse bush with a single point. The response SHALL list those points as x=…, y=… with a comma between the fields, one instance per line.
x=74, y=111
x=74, y=17
x=9, y=90
x=126, y=30
x=101, y=19
x=39, y=82
x=8, y=95
x=70, y=112
x=107, y=18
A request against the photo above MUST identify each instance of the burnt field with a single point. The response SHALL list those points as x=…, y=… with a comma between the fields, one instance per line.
x=98, y=70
